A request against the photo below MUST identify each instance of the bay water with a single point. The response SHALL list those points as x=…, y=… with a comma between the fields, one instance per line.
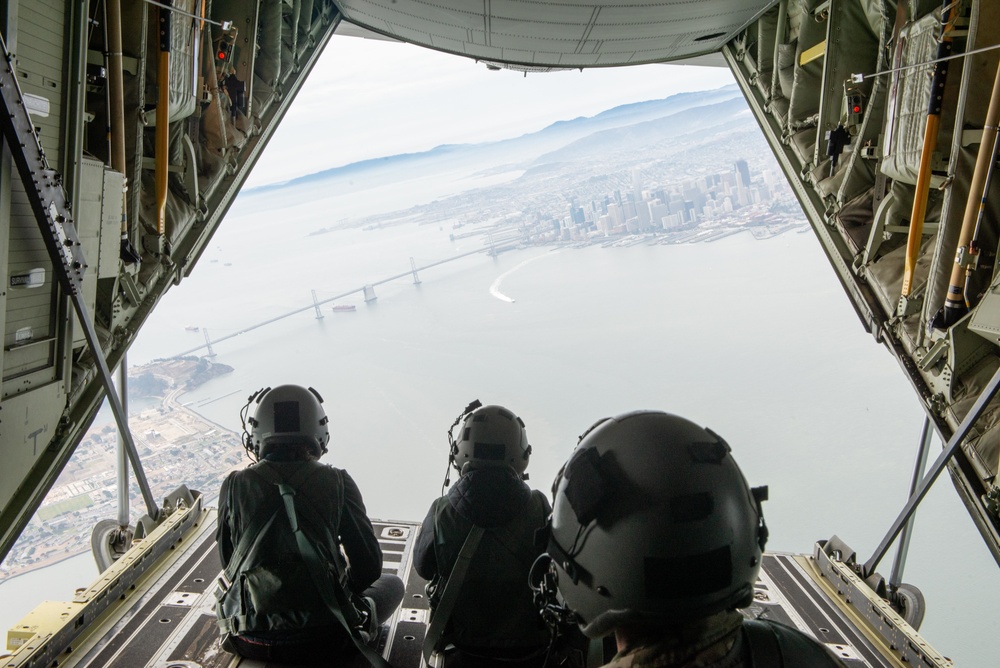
x=752, y=338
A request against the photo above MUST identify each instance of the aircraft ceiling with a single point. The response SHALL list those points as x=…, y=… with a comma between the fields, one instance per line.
x=560, y=34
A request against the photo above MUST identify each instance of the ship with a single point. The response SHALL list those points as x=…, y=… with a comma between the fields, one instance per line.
x=344, y=308
x=882, y=116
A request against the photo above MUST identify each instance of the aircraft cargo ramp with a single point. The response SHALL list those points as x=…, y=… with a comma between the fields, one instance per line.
x=154, y=608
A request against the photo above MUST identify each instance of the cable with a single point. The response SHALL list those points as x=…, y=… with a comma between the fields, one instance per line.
x=858, y=78
x=223, y=24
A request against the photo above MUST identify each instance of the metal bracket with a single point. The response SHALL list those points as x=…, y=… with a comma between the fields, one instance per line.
x=45, y=192
x=909, y=305
x=934, y=354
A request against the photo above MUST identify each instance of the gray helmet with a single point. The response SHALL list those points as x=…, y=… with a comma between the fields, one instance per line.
x=289, y=414
x=491, y=437
x=653, y=522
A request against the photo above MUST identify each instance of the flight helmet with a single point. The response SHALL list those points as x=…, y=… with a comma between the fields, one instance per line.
x=653, y=523
x=288, y=414
x=489, y=437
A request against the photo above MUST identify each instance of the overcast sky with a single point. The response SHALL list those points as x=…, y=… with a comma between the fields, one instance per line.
x=372, y=98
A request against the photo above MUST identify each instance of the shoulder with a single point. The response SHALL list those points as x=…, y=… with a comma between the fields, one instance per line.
x=541, y=501
x=797, y=648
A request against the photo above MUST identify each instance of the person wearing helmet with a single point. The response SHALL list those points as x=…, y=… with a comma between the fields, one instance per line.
x=476, y=546
x=657, y=537
x=286, y=525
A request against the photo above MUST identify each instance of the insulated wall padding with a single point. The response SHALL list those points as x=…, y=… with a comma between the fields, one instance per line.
x=807, y=80
x=767, y=28
x=909, y=97
x=886, y=273
x=268, y=63
x=983, y=442
x=786, y=67
x=779, y=109
x=876, y=11
x=803, y=144
x=920, y=8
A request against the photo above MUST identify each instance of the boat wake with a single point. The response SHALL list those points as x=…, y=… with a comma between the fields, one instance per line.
x=495, y=287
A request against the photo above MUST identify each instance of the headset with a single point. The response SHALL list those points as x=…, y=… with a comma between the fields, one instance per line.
x=452, y=445
x=245, y=418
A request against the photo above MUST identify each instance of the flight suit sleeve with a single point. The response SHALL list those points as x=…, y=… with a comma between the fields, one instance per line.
x=223, y=531
x=424, y=559
x=358, y=538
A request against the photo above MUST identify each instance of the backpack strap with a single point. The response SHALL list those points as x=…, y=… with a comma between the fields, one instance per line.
x=250, y=539
x=336, y=597
x=449, y=595
x=763, y=644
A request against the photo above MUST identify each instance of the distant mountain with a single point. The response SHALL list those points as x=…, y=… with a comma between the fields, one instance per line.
x=641, y=135
x=518, y=152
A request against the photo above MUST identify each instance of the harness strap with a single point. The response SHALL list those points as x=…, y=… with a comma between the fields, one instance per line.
x=250, y=543
x=449, y=596
x=764, y=649
x=334, y=597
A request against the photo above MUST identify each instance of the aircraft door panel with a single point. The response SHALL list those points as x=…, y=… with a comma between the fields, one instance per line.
x=31, y=327
x=29, y=422
x=41, y=53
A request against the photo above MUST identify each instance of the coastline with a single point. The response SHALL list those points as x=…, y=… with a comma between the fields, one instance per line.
x=214, y=450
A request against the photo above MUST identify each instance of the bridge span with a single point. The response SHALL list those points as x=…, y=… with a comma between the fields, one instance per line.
x=366, y=289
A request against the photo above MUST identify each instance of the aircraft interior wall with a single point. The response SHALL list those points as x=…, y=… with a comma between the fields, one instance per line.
x=856, y=145
x=230, y=70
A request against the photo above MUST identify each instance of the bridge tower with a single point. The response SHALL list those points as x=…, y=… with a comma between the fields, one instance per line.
x=319, y=313
x=370, y=295
x=208, y=342
x=413, y=268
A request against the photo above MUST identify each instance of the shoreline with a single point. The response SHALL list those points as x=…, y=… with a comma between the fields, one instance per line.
x=170, y=401
x=11, y=578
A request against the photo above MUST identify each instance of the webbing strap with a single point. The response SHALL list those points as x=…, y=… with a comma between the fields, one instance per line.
x=449, y=596
x=764, y=650
x=249, y=543
x=332, y=596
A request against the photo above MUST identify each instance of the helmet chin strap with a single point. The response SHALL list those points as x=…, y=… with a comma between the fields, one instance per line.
x=453, y=446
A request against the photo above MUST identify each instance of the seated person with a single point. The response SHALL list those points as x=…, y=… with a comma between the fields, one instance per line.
x=286, y=524
x=657, y=538
x=492, y=615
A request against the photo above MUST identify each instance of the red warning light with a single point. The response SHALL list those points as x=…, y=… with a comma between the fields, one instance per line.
x=857, y=109
x=222, y=55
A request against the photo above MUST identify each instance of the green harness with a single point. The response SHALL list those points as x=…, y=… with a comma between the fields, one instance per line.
x=329, y=576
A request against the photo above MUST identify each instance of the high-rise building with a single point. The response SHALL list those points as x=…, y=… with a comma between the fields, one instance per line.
x=742, y=173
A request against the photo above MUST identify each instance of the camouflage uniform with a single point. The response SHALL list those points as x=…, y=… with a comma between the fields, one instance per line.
x=720, y=641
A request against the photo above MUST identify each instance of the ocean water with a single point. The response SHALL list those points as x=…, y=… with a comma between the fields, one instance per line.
x=753, y=339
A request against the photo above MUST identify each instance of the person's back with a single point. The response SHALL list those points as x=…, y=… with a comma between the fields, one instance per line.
x=657, y=538
x=285, y=525
x=491, y=613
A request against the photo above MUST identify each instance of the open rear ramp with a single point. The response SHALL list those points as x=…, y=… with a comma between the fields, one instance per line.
x=157, y=611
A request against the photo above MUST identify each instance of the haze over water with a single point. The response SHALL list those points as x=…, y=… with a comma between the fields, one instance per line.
x=752, y=338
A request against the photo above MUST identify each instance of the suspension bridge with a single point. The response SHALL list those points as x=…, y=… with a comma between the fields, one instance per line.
x=368, y=290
